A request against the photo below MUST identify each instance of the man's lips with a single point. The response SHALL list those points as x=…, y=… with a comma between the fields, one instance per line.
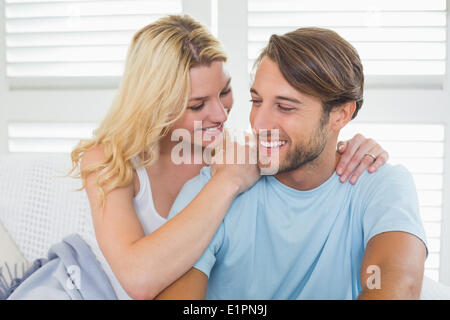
x=268, y=146
x=272, y=144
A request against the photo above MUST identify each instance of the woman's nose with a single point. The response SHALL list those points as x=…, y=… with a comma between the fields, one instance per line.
x=218, y=112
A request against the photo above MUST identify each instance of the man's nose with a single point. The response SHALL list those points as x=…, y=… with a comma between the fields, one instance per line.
x=263, y=120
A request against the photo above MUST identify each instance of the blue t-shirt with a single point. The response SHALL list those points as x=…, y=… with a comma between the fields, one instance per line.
x=277, y=242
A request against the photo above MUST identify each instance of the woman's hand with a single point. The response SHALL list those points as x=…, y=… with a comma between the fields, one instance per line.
x=357, y=155
x=236, y=162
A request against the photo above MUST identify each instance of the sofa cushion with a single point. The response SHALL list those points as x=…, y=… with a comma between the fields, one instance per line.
x=39, y=206
x=11, y=255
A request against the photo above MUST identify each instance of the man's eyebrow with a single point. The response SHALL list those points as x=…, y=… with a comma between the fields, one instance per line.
x=206, y=98
x=288, y=99
x=254, y=91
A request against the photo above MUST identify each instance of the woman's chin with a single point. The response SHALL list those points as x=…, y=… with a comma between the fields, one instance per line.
x=211, y=141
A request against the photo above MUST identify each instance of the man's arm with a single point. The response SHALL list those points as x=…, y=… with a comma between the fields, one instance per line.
x=191, y=286
x=399, y=257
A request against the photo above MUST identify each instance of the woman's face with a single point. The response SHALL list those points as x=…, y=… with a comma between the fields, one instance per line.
x=210, y=101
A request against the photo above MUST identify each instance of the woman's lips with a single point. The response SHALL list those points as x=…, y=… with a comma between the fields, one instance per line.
x=213, y=131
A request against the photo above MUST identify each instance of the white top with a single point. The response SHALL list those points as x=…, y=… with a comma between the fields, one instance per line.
x=150, y=221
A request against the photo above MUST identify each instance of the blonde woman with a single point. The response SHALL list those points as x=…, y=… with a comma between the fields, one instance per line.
x=174, y=75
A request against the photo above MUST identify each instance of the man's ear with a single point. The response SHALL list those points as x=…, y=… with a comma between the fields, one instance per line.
x=342, y=115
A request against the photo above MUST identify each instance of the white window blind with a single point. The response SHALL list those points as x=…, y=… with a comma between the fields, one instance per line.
x=61, y=137
x=75, y=39
x=420, y=148
x=401, y=37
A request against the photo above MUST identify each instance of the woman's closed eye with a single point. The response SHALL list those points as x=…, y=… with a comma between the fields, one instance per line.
x=225, y=92
x=197, y=107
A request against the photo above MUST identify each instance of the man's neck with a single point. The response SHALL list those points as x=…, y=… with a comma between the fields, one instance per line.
x=313, y=174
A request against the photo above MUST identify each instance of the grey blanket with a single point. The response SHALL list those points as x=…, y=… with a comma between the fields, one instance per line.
x=71, y=272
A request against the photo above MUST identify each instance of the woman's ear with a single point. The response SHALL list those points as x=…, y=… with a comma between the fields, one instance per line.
x=342, y=115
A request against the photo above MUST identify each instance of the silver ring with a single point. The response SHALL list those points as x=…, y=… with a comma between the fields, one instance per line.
x=371, y=155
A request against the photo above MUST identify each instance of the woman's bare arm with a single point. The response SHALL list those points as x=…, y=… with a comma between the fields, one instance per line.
x=146, y=265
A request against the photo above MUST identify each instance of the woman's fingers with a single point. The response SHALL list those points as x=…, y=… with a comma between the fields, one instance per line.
x=349, y=150
x=238, y=162
x=366, y=162
x=381, y=160
x=232, y=152
x=341, y=146
x=353, y=155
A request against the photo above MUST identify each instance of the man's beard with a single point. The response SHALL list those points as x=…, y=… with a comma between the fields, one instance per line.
x=305, y=153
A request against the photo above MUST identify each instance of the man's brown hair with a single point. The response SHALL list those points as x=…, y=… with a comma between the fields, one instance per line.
x=320, y=63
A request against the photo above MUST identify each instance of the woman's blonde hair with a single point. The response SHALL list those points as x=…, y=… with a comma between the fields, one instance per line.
x=152, y=95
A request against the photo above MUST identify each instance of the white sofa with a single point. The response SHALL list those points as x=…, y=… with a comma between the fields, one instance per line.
x=39, y=207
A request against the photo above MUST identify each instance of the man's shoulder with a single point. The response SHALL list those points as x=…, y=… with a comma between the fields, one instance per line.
x=389, y=180
x=388, y=173
x=199, y=181
x=190, y=190
x=389, y=202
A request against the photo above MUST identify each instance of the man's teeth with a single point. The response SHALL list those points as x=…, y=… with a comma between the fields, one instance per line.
x=272, y=144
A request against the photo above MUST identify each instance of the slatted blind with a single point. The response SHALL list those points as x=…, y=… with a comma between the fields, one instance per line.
x=63, y=38
x=400, y=37
x=420, y=148
x=47, y=137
